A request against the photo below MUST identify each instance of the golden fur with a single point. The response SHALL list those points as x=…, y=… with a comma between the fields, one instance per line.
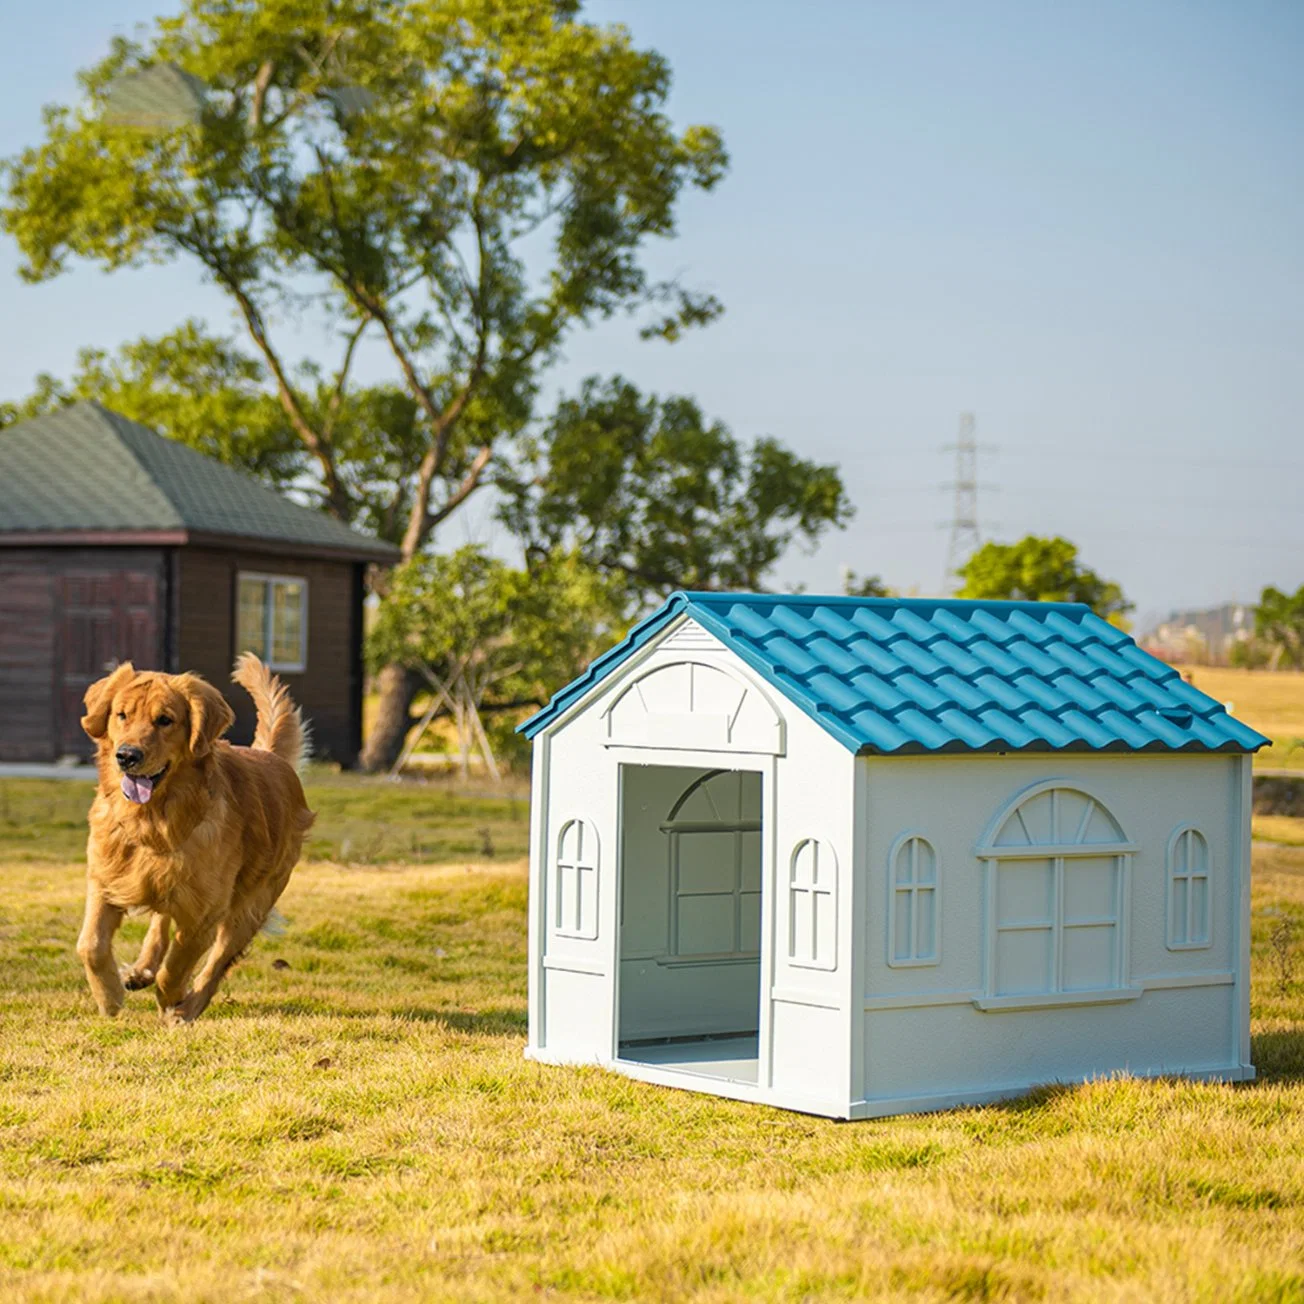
x=210, y=847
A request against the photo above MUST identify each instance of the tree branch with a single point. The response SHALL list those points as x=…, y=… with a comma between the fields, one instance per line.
x=341, y=378
x=261, y=83
x=320, y=449
x=470, y=483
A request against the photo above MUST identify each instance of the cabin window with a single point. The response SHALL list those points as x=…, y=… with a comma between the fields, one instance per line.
x=813, y=906
x=1057, y=891
x=576, y=907
x=272, y=620
x=912, y=913
x=1188, y=891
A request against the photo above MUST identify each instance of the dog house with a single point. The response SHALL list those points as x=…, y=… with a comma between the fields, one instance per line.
x=865, y=856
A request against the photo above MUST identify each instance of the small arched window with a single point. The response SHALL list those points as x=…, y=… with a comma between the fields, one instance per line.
x=1188, y=891
x=912, y=913
x=575, y=909
x=813, y=906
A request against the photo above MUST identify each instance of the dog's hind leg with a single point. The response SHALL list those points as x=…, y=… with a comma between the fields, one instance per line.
x=152, y=950
x=173, y=976
x=233, y=938
x=95, y=948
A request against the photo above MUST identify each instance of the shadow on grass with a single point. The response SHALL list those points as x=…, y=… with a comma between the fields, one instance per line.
x=493, y=1022
x=1279, y=1055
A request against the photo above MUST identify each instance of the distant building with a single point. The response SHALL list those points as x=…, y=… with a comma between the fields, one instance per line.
x=1205, y=637
x=117, y=544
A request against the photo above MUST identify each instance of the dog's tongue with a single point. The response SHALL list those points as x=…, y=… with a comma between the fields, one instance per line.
x=137, y=788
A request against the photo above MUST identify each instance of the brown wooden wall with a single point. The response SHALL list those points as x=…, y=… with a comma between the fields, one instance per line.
x=329, y=690
x=66, y=616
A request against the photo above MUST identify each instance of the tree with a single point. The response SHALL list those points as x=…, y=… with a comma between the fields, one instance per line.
x=386, y=169
x=864, y=586
x=486, y=637
x=1279, y=622
x=196, y=388
x=1040, y=570
x=648, y=490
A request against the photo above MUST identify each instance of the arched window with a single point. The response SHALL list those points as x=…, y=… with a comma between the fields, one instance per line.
x=912, y=903
x=1057, y=893
x=575, y=912
x=813, y=906
x=1188, y=891
x=715, y=867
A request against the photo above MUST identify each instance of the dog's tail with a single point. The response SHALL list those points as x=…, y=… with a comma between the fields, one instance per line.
x=281, y=728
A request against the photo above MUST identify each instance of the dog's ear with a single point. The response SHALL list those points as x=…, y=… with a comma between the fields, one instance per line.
x=210, y=714
x=99, y=699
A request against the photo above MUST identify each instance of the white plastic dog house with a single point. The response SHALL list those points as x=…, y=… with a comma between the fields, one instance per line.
x=867, y=856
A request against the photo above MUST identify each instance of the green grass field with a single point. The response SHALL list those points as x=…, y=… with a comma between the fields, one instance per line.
x=1271, y=702
x=353, y=1121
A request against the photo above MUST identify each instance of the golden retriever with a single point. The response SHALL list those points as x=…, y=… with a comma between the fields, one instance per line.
x=202, y=833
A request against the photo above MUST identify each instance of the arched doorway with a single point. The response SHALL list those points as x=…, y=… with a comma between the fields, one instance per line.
x=690, y=922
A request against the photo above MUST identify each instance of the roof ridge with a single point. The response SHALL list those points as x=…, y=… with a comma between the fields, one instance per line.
x=712, y=597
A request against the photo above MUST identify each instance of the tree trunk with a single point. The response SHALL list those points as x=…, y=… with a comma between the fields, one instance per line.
x=397, y=687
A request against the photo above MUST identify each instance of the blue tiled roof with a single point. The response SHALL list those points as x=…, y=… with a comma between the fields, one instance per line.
x=908, y=675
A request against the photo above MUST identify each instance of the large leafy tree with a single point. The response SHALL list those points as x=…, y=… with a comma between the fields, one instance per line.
x=649, y=490
x=464, y=181
x=1040, y=570
x=1279, y=623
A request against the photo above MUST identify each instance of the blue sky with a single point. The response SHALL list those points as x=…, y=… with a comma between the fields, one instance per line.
x=1082, y=223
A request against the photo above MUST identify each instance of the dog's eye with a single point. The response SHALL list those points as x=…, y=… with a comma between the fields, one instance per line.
x=122, y=715
x=163, y=721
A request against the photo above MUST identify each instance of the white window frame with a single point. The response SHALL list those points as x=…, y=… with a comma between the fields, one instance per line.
x=298, y=666
x=814, y=876
x=907, y=893
x=568, y=914
x=1187, y=833
x=678, y=829
x=1061, y=853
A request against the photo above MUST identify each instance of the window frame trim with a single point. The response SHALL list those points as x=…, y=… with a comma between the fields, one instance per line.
x=1170, y=876
x=814, y=890
x=575, y=863
x=271, y=578
x=1122, y=851
x=893, y=889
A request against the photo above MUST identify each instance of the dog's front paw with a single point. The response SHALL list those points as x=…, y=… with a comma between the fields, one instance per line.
x=135, y=979
x=186, y=1010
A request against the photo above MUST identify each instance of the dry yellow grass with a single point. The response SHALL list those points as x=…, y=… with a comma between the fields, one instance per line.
x=361, y=1126
x=1272, y=703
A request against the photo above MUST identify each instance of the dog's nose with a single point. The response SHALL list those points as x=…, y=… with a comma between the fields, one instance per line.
x=128, y=756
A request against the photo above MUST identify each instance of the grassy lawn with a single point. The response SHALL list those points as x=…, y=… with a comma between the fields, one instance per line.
x=353, y=1121
x=1272, y=703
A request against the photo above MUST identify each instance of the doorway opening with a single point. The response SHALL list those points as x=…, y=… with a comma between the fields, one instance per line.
x=690, y=919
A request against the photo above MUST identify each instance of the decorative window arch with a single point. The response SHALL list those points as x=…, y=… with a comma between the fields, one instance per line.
x=912, y=937
x=1058, y=873
x=1189, y=906
x=575, y=909
x=715, y=867
x=813, y=905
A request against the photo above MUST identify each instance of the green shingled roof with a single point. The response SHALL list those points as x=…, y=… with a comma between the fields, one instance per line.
x=84, y=468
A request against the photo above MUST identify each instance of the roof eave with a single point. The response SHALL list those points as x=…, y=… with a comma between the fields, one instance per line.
x=382, y=554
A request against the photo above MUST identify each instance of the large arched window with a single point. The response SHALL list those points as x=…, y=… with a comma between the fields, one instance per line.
x=1188, y=891
x=715, y=867
x=1057, y=893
